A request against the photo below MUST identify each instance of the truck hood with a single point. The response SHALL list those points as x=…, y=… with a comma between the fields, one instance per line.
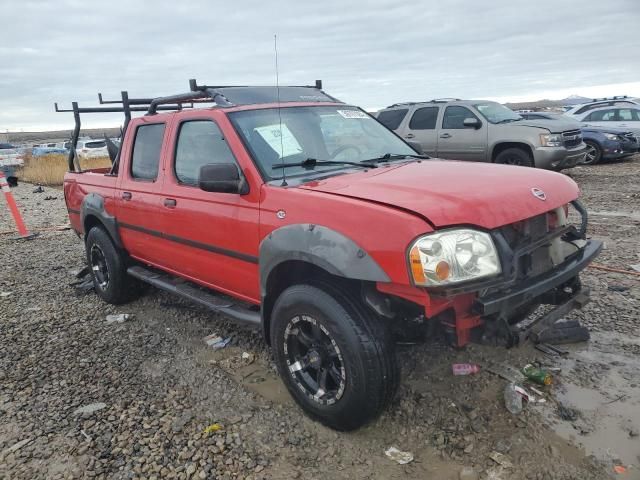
x=448, y=193
x=554, y=126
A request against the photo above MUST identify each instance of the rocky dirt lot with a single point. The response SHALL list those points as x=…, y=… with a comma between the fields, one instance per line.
x=81, y=397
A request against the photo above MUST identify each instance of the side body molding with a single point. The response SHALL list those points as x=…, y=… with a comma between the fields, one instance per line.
x=93, y=205
x=320, y=246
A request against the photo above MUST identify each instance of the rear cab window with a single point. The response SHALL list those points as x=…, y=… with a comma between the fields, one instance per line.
x=392, y=118
x=147, y=147
x=200, y=142
x=98, y=144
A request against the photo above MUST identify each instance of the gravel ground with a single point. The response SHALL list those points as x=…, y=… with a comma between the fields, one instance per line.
x=81, y=397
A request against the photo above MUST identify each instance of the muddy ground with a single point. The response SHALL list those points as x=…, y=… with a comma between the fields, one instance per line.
x=153, y=386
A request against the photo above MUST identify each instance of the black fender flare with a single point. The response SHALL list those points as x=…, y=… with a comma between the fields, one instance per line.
x=93, y=206
x=320, y=246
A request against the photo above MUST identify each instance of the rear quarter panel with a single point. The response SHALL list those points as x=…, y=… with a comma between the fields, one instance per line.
x=78, y=185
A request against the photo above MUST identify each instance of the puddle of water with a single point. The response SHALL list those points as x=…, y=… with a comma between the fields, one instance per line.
x=607, y=412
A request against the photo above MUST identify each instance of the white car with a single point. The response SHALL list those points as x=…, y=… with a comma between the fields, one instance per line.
x=625, y=118
x=583, y=108
x=10, y=157
x=92, y=149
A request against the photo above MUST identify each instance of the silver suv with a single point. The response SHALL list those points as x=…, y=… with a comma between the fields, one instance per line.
x=484, y=131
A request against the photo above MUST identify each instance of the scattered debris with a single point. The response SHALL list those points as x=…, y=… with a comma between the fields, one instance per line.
x=501, y=459
x=216, y=342
x=38, y=189
x=617, y=270
x=5, y=294
x=619, y=469
x=559, y=334
x=617, y=288
x=248, y=358
x=617, y=399
x=213, y=428
x=512, y=399
x=537, y=375
x=84, y=284
x=635, y=267
x=467, y=473
x=89, y=409
x=50, y=197
x=551, y=350
x=84, y=434
x=465, y=368
x=119, y=318
x=399, y=456
x=17, y=446
x=509, y=373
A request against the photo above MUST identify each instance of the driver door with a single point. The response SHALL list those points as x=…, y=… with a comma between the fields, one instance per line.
x=214, y=235
x=457, y=142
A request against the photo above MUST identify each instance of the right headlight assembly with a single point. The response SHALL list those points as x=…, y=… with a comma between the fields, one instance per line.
x=453, y=256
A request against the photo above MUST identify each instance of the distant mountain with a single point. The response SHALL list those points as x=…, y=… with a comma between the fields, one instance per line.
x=574, y=100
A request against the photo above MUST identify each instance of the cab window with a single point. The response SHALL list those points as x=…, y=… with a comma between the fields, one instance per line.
x=200, y=142
x=454, y=117
x=146, y=152
x=424, y=119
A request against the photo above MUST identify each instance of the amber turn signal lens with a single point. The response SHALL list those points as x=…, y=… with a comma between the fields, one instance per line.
x=442, y=270
x=416, y=267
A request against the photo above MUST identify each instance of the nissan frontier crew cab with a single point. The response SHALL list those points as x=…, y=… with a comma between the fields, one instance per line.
x=288, y=210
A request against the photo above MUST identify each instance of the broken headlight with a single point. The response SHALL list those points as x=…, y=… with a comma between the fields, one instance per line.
x=453, y=256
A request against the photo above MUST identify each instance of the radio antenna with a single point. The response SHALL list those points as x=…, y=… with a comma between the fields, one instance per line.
x=275, y=48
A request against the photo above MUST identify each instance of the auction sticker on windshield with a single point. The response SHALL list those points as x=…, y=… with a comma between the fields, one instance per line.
x=280, y=139
x=352, y=114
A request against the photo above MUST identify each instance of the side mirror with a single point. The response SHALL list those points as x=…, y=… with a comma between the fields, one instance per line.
x=472, y=123
x=222, y=178
x=417, y=147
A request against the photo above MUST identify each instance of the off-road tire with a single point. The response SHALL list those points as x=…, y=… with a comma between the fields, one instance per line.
x=367, y=349
x=594, y=153
x=515, y=156
x=120, y=287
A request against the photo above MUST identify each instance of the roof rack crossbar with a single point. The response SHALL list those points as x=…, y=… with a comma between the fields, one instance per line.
x=115, y=109
x=140, y=101
x=157, y=103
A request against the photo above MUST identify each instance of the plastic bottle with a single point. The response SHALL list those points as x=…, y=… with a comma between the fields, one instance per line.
x=512, y=399
x=537, y=375
x=465, y=368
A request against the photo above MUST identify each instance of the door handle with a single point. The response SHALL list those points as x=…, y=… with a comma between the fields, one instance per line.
x=126, y=195
x=409, y=135
x=445, y=135
x=170, y=202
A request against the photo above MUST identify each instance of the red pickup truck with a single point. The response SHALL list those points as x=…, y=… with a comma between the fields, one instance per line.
x=286, y=209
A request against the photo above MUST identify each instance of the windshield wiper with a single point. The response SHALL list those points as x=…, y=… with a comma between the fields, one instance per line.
x=310, y=163
x=393, y=156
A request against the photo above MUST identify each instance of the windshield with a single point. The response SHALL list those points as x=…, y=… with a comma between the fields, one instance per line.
x=339, y=133
x=496, y=113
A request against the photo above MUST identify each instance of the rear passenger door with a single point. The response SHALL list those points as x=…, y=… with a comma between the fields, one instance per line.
x=457, y=142
x=138, y=202
x=421, y=128
x=214, y=235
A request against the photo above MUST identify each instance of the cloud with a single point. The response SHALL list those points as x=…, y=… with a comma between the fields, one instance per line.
x=371, y=53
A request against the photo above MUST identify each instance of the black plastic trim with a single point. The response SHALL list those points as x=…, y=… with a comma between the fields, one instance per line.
x=534, y=287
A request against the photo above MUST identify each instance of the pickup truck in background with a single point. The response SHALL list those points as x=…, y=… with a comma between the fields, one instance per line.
x=483, y=131
x=290, y=211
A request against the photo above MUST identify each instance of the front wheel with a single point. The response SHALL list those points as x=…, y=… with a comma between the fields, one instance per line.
x=515, y=156
x=334, y=356
x=594, y=153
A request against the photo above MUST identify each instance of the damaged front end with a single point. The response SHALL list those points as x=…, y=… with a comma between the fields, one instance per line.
x=540, y=258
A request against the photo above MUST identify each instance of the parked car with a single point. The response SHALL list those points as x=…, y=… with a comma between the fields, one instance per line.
x=483, y=131
x=48, y=149
x=92, y=149
x=618, y=101
x=602, y=143
x=10, y=159
x=259, y=209
x=6, y=146
x=625, y=118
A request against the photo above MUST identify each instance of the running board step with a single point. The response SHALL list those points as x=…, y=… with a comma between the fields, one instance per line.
x=190, y=291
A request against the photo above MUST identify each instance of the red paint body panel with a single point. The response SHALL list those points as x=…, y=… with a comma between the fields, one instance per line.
x=457, y=193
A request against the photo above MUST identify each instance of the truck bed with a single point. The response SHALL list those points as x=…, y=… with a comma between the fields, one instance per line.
x=78, y=185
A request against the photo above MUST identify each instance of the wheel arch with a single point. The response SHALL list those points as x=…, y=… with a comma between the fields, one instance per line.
x=299, y=252
x=502, y=146
x=93, y=213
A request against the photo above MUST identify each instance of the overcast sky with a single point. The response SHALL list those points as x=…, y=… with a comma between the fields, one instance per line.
x=370, y=53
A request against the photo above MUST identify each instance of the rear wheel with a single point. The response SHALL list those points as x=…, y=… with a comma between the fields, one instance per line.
x=109, y=269
x=515, y=156
x=334, y=356
x=594, y=153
